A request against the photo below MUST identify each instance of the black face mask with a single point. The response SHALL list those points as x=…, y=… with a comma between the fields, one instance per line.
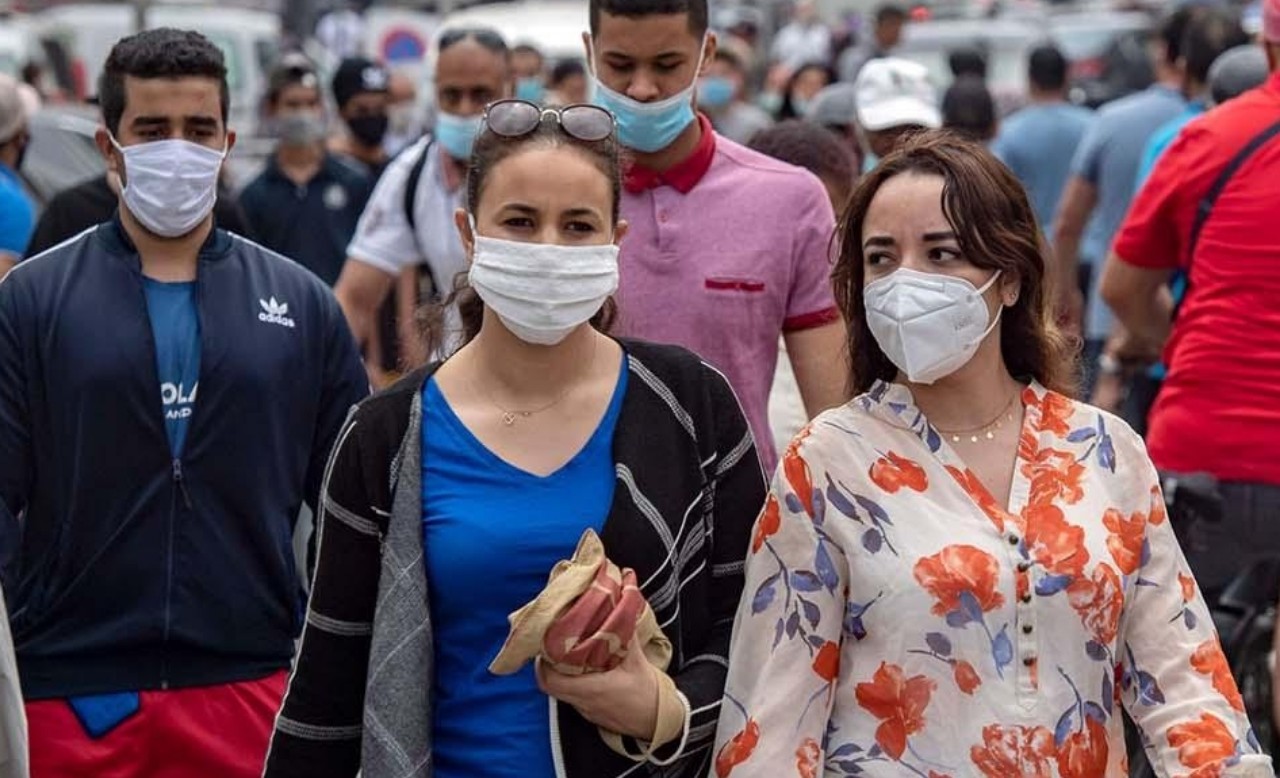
x=369, y=130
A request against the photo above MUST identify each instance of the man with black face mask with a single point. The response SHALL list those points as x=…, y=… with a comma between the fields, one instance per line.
x=361, y=90
x=17, y=214
x=306, y=203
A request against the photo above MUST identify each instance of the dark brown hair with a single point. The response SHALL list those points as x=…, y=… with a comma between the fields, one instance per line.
x=996, y=229
x=490, y=150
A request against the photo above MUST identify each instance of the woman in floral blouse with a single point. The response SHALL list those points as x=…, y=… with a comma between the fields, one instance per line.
x=963, y=572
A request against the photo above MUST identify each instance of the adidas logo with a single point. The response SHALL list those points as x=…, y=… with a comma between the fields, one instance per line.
x=275, y=313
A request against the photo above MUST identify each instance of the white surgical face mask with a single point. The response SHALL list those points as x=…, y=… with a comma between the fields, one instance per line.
x=542, y=292
x=928, y=324
x=170, y=185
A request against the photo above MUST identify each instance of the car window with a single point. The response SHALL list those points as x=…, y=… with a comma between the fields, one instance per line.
x=1083, y=42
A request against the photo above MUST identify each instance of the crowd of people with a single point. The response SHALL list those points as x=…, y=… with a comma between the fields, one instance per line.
x=702, y=408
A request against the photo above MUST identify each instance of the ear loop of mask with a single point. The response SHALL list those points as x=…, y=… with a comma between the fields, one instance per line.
x=995, y=320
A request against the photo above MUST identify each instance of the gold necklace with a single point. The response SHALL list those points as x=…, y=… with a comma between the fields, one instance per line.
x=987, y=430
x=510, y=417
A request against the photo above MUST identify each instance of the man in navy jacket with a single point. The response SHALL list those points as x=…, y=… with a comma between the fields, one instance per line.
x=169, y=393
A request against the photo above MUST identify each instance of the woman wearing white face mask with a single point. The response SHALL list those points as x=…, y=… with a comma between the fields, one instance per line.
x=962, y=571
x=453, y=494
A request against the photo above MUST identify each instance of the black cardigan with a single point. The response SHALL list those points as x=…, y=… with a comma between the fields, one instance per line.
x=689, y=489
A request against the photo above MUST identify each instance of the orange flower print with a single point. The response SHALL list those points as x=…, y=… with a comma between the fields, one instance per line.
x=1055, y=415
x=1203, y=744
x=899, y=702
x=1054, y=475
x=1084, y=753
x=796, y=471
x=968, y=481
x=1188, y=585
x=1208, y=659
x=1126, y=539
x=892, y=472
x=966, y=677
x=738, y=749
x=1098, y=600
x=1053, y=542
x=827, y=663
x=955, y=571
x=807, y=756
x=768, y=524
x=1158, y=511
x=1012, y=750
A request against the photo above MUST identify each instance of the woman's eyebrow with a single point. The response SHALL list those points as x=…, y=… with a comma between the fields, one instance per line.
x=935, y=237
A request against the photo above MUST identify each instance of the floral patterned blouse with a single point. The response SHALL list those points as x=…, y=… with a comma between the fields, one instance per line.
x=898, y=621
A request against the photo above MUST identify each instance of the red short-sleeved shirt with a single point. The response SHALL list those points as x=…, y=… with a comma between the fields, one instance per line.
x=1219, y=410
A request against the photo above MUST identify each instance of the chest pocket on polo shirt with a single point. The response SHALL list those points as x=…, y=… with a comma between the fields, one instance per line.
x=735, y=286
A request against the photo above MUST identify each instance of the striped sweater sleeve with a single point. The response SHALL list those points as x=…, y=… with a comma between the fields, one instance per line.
x=319, y=728
x=737, y=493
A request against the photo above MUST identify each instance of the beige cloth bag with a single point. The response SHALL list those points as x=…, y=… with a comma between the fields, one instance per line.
x=583, y=622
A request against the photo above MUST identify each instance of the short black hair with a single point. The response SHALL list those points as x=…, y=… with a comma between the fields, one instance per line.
x=1173, y=29
x=967, y=61
x=890, y=13
x=1047, y=68
x=159, y=53
x=635, y=9
x=807, y=145
x=969, y=109
x=527, y=48
x=566, y=69
x=1208, y=35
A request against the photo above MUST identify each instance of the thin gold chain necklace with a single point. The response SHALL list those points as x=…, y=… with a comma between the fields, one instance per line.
x=511, y=416
x=987, y=430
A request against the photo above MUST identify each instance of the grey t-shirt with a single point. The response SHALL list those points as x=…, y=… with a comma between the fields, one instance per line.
x=1108, y=158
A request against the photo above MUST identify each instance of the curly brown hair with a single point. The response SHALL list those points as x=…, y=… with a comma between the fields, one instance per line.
x=996, y=229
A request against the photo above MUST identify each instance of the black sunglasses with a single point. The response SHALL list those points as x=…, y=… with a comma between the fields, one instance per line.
x=517, y=118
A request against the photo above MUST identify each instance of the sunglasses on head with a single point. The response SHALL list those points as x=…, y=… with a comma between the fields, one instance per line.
x=488, y=39
x=517, y=118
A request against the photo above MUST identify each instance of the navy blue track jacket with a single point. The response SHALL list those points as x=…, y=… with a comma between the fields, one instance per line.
x=138, y=570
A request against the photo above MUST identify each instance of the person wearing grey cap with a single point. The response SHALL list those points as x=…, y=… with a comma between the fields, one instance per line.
x=17, y=213
x=835, y=108
x=1236, y=72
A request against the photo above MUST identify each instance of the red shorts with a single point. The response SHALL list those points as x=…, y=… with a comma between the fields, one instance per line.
x=201, y=732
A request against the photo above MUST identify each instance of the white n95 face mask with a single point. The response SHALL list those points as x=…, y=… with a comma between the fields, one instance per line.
x=542, y=292
x=170, y=185
x=928, y=324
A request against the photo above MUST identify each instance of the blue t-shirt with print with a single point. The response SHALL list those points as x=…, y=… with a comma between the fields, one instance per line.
x=17, y=215
x=175, y=326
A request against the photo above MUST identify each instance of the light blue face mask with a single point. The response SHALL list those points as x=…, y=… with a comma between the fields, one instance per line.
x=715, y=92
x=530, y=89
x=457, y=133
x=648, y=127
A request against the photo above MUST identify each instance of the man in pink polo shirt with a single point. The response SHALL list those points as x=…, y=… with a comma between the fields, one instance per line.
x=728, y=248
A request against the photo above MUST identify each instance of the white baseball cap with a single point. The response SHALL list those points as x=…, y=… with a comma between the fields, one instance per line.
x=893, y=92
x=13, y=109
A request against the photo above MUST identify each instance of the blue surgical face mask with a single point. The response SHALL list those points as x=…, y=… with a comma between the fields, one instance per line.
x=715, y=92
x=457, y=133
x=648, y=127
x=530, y=89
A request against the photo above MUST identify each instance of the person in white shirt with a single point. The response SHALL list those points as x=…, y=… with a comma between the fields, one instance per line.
x=806, y=39
x=410, y=237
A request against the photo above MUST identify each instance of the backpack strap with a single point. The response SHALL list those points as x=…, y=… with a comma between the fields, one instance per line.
x=411, y=185
x=425, y=274
x=1205, y=208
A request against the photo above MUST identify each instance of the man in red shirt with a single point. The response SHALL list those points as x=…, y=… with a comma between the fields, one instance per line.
x=1219, y=408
